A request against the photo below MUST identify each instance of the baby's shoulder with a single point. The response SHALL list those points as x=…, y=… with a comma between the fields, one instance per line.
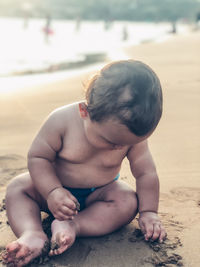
x=65, y=112
x=64, y=115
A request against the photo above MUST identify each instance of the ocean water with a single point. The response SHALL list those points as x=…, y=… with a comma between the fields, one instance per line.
x=25, y=47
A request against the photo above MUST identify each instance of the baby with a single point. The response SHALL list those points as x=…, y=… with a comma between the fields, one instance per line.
x=75, y=160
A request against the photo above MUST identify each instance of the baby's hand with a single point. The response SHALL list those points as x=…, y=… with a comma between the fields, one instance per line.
x=62, y=204
x=151, y=226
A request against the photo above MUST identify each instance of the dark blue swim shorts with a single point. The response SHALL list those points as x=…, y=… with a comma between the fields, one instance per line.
x=82, y=193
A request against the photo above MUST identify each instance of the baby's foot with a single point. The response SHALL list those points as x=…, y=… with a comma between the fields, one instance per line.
x=63, y=236
x=29, y=246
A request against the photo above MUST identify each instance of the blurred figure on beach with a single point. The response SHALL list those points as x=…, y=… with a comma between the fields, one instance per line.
x=124, y=33
x=77, y=23
x=26, y=12
x=47, y=28
x=174, y=27
x=26, y=21
x=198, y=20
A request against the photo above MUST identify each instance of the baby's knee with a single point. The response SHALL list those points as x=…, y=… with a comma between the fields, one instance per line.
x=126, y=205
x=127, y=201
x=17, y=185
x=124, y=199
x=22, y=188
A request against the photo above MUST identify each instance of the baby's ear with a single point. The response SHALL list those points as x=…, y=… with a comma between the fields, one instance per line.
x=83, y=110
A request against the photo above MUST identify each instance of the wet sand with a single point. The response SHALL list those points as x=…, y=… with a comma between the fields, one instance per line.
x=175, y=147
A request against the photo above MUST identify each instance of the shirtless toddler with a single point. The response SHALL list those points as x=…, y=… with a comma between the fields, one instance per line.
x=75, y=160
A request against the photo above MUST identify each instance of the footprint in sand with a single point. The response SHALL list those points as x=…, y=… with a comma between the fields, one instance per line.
x=10, y=166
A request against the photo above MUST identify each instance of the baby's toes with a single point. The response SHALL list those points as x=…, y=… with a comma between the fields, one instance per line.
x=9, y=255
x=13, y=248
x=23, y=252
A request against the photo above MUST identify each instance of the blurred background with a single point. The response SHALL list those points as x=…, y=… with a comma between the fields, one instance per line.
x=49, y=36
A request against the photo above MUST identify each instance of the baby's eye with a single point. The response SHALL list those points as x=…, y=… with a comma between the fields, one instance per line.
x=113, y=145
x=117, y=147
x=110, y=143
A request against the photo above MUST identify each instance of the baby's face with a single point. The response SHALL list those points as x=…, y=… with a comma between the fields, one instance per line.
x=110, y=134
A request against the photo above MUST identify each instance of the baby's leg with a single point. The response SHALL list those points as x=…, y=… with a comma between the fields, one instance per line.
x=23, y=206
x=107, y=209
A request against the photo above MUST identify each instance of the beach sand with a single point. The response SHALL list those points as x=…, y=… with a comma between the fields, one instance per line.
x=175, y=146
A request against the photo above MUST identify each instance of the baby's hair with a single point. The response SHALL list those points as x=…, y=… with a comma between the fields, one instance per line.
x=129, y=91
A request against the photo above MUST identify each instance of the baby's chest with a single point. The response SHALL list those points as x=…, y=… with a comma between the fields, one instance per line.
x=80, y=153
x=75, y=152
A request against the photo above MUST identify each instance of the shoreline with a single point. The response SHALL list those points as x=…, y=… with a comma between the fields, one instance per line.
x=12, y=83
x=68, y=48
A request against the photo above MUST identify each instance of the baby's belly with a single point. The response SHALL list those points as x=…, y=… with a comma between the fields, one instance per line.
x=85, y=175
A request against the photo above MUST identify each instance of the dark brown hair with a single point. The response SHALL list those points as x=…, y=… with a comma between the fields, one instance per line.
x=129, y=91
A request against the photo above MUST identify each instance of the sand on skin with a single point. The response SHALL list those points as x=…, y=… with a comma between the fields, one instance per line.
x=175, y=147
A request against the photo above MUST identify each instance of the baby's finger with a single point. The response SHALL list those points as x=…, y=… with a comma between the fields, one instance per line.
x=163, y=235
x=156, y=231
x=72, y=197
x=71, y=204
x=149, y=232
x=67, y=211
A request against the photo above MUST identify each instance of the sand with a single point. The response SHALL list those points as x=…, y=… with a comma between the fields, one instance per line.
x=175, y=147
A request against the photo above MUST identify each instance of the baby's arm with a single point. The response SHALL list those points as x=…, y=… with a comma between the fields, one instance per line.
x=147, y=187
x=40, y=164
